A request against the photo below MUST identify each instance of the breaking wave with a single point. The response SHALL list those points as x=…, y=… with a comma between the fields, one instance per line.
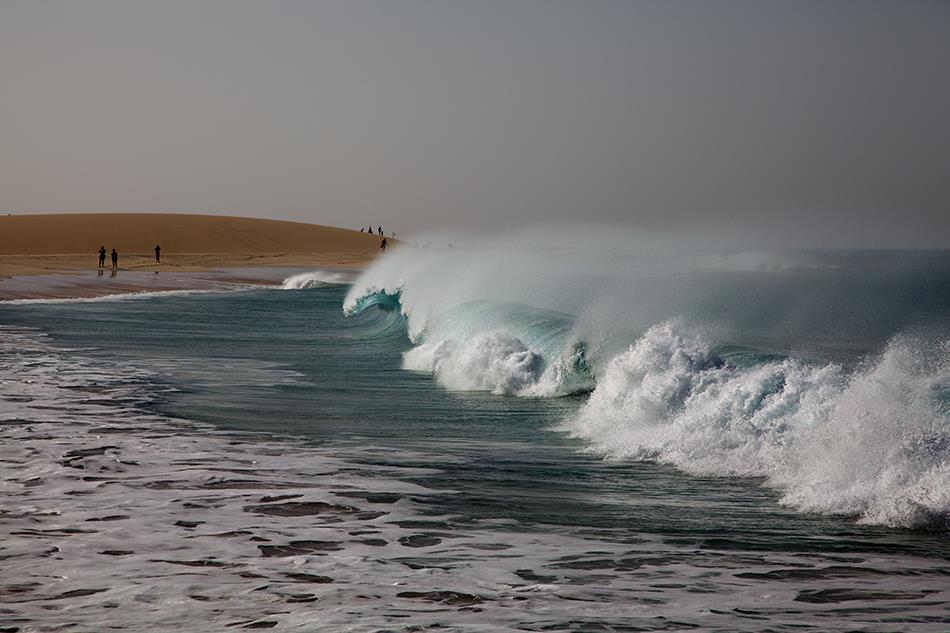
x=872, y=443
x=839, y=410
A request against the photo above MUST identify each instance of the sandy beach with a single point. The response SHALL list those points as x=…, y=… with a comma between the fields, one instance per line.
x=55, y=255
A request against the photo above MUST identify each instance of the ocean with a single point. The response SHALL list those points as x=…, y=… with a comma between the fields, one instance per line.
x=488, y=439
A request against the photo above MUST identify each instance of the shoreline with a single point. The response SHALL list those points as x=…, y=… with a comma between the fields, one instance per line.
x=18, y=265
x=93, y=283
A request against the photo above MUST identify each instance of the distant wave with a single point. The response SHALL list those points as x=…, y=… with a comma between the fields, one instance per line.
x=757, y=261
x=867, y=437
x=317, y=279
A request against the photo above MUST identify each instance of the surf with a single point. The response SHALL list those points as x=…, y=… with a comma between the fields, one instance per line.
x=837, y=419
x=873, y=443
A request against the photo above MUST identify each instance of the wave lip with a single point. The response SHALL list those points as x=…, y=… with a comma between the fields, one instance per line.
x=869, y=444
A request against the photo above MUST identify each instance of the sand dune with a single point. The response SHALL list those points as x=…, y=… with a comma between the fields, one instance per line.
x=182, y=233
x=32, y=244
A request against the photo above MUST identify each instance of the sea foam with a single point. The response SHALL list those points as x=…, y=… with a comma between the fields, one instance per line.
x=870, y=443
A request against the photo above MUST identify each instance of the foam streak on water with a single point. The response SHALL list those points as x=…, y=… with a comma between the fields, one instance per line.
x=115, y=517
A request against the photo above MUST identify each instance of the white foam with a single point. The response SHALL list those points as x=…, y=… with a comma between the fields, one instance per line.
x=498, y=362
x=489, y=361
x=867, y=444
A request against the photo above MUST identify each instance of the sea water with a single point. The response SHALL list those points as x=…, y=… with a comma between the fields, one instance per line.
x=488, y=440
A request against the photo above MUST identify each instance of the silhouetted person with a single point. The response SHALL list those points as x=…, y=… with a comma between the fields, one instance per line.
x=379, y=229
x=115, y=260
x=158, y=254
x=382, y=245
x=102, y=257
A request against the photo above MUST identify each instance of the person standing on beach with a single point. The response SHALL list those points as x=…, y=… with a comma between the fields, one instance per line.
x=115, y=260
x=382, y=245
x=158, y=254
x=102, y=256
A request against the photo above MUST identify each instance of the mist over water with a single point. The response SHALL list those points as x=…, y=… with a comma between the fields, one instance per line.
x=827, y=374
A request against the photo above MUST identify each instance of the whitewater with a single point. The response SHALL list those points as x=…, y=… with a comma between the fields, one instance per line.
x=827, y=375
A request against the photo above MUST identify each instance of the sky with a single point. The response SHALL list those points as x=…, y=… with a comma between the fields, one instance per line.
x=807, y=123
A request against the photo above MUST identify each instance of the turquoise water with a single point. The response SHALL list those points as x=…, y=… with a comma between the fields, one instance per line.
x=507, y=507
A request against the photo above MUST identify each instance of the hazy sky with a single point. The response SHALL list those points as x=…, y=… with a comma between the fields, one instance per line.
x=826, y=123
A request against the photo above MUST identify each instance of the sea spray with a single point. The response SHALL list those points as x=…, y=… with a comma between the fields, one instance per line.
x=884, y=451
